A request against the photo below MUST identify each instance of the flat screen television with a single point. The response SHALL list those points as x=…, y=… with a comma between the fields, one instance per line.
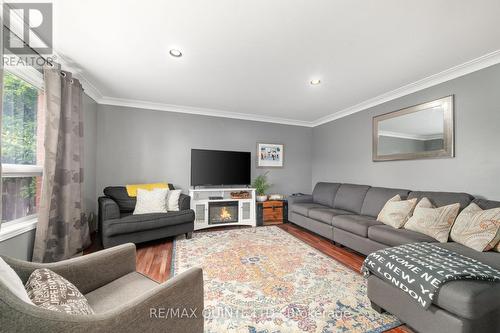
x=219, y=167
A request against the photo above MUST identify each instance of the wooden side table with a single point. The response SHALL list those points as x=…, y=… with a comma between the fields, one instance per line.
x=272, y=212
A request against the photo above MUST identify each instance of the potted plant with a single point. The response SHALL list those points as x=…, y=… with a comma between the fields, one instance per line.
x=261, y=186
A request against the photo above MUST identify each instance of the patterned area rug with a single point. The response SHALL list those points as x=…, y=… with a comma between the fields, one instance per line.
x=264, y=280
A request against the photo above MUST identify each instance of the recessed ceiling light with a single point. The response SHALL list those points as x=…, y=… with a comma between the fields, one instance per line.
x=315, y=82
x=175, y=53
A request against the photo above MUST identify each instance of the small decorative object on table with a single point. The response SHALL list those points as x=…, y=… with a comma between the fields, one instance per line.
x=270, y=155
x=240, y=195
x=276, y=196
x=261, y=186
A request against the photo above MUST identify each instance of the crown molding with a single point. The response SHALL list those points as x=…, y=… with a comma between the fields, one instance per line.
x=468, y=67
x=200, y=111
x=89, y=88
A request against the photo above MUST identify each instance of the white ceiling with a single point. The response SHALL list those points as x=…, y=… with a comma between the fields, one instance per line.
x=254, y=59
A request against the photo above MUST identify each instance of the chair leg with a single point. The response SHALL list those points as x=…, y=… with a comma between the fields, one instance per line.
x=189, y=235
x=376, y=307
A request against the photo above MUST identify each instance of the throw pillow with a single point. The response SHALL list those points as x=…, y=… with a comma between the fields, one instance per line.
x=497, y=247
x=431, y=221
x=154, y=201
x=173, y=200
x=11, y=281
x=51, y=291
x=477, y=228
x=132, y=189
x=396, y=211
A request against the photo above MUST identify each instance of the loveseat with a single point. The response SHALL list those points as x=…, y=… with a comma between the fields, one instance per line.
x=347, y=214
x=117, y=224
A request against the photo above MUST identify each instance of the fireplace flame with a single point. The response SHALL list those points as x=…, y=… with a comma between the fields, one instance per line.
x=225, y=214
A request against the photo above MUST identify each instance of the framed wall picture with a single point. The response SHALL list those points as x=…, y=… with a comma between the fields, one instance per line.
x=270, y=155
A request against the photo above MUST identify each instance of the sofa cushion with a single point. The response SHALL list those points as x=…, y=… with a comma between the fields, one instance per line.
x=470, y=299
x=120, y=291
x=356, y=224
x=49, y=290
x=326, y=214
x=376, y=198
x=396, y=212
x=324, y=193
x=432, y=221
x=486, y=204
x=154, y=201
x=477, y=228
x=303, y=208
x=120, y=195
x=135, y=223
x=12, y=282
x=393, y=237
x=350, y=197
x=440, y=199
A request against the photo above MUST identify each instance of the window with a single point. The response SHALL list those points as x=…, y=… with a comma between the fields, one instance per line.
x=22, y=148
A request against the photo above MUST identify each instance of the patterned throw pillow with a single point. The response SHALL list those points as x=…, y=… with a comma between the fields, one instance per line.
x=154, y=201
x=431, y=221
x=396, y=211
x=476, y=228
x=51, y=291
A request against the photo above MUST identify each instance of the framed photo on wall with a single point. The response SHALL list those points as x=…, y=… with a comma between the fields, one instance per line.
x=270, y=155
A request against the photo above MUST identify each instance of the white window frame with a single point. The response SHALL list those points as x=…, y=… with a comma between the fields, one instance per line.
x=24, y=224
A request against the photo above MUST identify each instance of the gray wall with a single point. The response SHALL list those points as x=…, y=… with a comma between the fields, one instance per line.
x=90, y=154
x=342, y=149
x=21, y=246
x=137, y=145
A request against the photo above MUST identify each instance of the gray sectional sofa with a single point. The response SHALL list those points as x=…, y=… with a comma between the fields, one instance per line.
x=347, y=213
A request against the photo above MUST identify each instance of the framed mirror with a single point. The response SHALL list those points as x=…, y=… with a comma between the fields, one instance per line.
x=421, y=131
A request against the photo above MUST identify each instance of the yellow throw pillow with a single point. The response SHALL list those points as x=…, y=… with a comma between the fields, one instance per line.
x=477, y=228
x=431, y=221
x=396, y=211
x=132, y=189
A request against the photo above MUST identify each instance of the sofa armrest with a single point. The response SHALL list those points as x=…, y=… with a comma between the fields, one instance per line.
x=174, y=306
x=87, y=272
x=300, y=199
x=108, y=209
x=184, y=202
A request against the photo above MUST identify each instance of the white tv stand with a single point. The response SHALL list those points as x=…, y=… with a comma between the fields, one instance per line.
x=201, y=204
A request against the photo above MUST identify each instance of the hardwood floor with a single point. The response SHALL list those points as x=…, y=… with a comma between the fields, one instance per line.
x=154, y=258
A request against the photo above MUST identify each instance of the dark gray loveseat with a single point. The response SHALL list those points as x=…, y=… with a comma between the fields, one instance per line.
x=347, y=213
x=117, y=224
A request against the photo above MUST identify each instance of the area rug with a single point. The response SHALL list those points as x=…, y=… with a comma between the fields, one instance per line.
x=264, y=280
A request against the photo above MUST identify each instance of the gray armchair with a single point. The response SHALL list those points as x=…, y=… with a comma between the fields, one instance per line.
x=123, y=299
x=117, y=224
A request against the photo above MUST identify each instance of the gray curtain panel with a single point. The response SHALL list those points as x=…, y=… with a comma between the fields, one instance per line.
x=62, y=230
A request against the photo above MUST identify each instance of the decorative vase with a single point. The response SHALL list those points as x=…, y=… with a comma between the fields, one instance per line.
x=261, y=198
